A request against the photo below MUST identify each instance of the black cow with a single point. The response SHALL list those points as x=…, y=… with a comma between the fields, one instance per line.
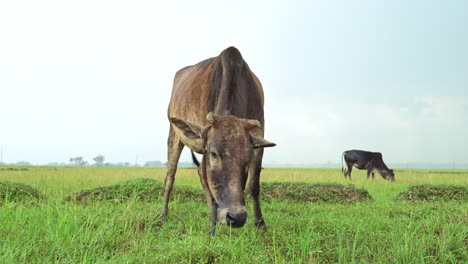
x=365, y=160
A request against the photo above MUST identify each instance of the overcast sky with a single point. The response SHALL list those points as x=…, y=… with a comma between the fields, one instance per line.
x=82, y=78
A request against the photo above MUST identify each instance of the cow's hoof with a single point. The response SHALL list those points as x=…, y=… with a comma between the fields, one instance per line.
x=161, y=220
x=261, y=226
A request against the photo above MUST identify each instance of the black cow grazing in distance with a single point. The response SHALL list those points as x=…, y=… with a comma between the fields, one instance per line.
x=365, y=160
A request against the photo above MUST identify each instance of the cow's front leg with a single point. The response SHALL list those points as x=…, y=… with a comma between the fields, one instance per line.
x=254, y=188
x=174, y=148
x=214, y=217
x=368, y=173
x=209, y=198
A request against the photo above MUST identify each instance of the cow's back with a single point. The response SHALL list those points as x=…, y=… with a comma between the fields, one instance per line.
x=189, y=92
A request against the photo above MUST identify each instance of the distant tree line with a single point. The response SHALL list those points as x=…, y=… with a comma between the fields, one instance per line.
x=99, y=161
x=18, y=163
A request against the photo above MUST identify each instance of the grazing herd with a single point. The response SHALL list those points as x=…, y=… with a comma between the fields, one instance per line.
x=216, y=109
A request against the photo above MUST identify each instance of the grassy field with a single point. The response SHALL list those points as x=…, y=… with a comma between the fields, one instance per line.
x=382, y=231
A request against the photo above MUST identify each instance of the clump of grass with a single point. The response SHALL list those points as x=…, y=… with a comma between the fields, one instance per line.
x=140, y=189
x=14, y=169
x=303, y=192
x=151, y=190
x=435, y=193
x=18, y=192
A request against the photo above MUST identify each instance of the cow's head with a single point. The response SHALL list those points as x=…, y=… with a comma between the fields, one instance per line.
x=387, y=174
x=228, y=148
x=390, y=175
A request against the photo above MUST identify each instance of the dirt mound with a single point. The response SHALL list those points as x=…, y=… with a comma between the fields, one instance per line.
x=141, y=189
x=435, y=193
x=303, y=192
x=18, y=192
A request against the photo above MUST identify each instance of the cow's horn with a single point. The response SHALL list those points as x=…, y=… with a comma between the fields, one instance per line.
x=210, y=117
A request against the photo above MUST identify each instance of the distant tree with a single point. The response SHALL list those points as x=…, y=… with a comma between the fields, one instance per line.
x=99, y=160
x=78, y=161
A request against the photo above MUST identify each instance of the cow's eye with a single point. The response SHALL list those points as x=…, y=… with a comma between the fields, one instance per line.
x=213, y=155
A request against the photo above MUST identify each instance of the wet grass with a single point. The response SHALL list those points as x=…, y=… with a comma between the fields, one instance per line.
x=127, y=229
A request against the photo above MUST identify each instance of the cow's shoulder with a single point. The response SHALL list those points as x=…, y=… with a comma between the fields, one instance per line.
x=200, y=65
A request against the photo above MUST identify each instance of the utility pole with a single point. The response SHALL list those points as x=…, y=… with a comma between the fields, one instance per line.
x=136, y=160
x=1, y=156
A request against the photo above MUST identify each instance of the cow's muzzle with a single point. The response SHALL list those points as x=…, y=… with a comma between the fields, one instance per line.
x=234, y=217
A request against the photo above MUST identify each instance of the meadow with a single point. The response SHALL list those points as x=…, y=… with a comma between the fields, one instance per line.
x=382, y=231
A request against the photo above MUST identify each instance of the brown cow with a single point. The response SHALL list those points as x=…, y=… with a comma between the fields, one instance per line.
x=216, y=109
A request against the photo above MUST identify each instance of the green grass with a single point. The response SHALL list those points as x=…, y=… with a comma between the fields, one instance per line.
x=140, y=189
x=383, y=231
x=16, y=192
x=428, y=192
x=318, y=192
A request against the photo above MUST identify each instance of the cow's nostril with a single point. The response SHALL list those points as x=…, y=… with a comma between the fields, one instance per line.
x=236, y=220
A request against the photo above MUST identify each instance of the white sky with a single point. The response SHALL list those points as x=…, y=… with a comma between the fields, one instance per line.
x=82, y=78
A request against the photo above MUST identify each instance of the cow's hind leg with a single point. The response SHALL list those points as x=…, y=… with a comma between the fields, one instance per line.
x=349, y=170
x=254, y=188
x=174, y=148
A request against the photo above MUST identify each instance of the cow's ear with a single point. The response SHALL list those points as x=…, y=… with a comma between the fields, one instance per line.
x=190, y=130
x=251, y=124
x=258, y=142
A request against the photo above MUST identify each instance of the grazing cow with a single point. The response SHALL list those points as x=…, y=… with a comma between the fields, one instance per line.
x=365, y=160
x=216, y=109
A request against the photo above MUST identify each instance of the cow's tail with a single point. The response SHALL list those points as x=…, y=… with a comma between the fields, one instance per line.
x=194, y=159
x=342, y=158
